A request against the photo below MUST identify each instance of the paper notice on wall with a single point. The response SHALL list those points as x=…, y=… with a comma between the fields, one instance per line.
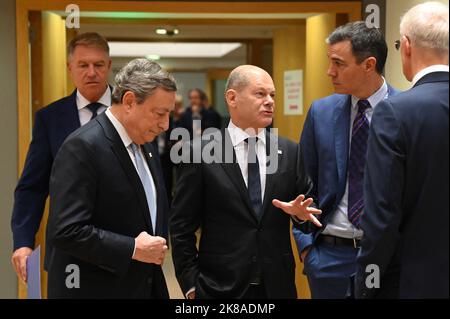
x=293, y=92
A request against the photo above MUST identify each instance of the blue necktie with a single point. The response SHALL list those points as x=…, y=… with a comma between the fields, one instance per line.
x=146, y=183
x=254, y=181
x=358, y=148
x=93, y=107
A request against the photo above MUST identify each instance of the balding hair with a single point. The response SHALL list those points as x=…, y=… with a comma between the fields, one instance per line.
x=426, y=26
x=237, y=80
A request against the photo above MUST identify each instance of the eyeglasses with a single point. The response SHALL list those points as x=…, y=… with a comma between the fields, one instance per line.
x=397, y=44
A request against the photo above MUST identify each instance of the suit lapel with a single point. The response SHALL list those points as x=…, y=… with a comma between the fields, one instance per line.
x=234, y=172
x=68, y=120
x=271, y=143
x=130, y=171
x=341, y=141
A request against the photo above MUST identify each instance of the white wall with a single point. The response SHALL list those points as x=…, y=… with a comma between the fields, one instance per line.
x=394, y=11
x=8, y=142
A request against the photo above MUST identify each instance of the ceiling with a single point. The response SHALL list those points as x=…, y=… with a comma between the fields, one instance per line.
x=199, y=27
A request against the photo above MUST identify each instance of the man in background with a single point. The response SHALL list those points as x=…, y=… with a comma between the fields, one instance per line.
x=406, y=219
x=88, y=65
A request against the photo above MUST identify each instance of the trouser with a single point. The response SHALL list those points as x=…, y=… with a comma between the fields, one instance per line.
x=328, y=269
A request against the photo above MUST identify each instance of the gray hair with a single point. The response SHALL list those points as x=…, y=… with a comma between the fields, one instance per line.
x=142, y=77
x=237, y=80
x=426, y=26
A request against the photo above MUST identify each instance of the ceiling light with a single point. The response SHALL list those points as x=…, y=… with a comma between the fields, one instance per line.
x=153, y=57
x=172, y=49
x=161, y=31
x=167, y=31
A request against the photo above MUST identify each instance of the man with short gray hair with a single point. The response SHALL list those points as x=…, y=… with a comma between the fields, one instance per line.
x=406, y=223
x=108, y=208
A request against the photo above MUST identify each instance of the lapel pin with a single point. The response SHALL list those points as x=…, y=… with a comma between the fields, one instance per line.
x=280, y=152
x=150, y=154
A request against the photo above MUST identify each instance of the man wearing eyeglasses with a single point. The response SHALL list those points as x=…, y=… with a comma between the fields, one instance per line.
x=407, y=176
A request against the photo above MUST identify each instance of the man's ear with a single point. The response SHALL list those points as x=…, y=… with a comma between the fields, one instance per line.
x=370, y=64
x=406, y=46
x=230, y=96
x=128, y=100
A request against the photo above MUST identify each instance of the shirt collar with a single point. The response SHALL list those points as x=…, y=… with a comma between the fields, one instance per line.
x=428, y=70
x=375, y=98
x=82, y=102
x=238, y=135
x=119, y=128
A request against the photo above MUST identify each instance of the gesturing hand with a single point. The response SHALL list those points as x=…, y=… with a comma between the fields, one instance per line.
x=300, y=209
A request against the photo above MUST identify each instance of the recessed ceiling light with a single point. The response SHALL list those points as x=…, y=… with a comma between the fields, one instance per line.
x=167, y=31
x=172, y=49
x=154, y=57
x=161, y=31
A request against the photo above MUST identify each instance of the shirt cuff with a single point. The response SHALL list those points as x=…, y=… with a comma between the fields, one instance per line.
x=134, y=249
x=297, y=220
x=189, y=292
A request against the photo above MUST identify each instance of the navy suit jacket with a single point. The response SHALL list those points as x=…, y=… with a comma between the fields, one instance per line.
x=52, y=125
x=406, y=219
x=325, y=147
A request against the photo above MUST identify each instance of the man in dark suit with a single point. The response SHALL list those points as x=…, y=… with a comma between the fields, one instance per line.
x=406, y=222
x=333, y=146
x=245, y=249
x=88, y=65
x=198, y=110
x=108, y=204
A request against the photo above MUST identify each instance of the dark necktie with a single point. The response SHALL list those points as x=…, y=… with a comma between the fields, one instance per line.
x=358, y=148
x=254, y=181
x=93, y=107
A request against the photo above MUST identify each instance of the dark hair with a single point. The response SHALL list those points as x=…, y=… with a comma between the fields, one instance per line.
x=366, y=42
x=201, y=93
x=89, y=39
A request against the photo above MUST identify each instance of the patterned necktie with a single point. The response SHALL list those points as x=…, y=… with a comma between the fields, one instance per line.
x=254, y=180
x=93, y=107
x=146, y=183
x=358, y=148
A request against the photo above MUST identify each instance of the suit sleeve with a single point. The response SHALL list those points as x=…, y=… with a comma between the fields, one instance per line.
x=308, y=167
x=384, y=180
x=184, y=222
x=32, y=189
x=73, y=187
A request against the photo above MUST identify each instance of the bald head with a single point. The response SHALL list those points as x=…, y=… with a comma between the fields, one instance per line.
x=241, y=76
x=250, y=97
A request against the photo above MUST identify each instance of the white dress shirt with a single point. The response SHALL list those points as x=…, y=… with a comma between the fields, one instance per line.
x=339, y=225
x=126, y=140
x=428, y=70
x=84, y=113
x=238, y=137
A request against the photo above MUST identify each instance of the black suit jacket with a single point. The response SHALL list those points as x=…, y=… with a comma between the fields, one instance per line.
x=97, y=208
x=406, y=219
x=234, y=243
